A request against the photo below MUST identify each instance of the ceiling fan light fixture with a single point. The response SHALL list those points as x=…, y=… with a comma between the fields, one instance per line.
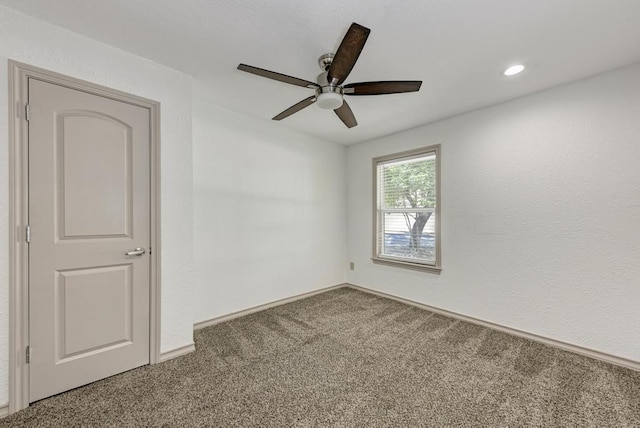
x=329, y=100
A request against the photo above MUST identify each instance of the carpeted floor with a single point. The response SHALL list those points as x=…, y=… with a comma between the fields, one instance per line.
x=347, y=358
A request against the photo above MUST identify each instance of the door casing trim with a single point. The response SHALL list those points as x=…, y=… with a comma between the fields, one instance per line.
x=19, y=73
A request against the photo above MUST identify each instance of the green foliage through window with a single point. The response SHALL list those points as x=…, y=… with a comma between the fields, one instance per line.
x=410, y=185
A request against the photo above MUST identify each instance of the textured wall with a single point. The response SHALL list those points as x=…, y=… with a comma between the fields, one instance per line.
x=540, y=214
x=269, y=212
x=31, y=41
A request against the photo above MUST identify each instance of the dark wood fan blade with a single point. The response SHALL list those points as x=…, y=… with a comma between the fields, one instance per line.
x=381, y=88
x=277, y=76
x=296, y=108
x=346, y=115
x=347, y=54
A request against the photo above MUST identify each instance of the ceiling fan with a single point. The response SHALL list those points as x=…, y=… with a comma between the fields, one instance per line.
x=335, y=70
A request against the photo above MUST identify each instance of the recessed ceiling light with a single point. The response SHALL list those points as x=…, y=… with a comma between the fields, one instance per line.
x=514, y=69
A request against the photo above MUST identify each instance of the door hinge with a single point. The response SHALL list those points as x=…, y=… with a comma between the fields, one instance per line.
x=27, y=233
x=27, y=112
x=28, y=354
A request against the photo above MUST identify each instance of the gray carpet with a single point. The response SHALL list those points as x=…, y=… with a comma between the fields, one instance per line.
x=347, y=358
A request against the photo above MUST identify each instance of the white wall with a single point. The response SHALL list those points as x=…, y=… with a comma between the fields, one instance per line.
x=270, y=212
x=34, y=42
x=541, y=214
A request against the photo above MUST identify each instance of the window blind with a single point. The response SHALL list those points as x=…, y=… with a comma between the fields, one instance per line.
x=406, y=209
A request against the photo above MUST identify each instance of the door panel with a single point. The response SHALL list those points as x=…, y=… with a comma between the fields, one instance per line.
x=93, y=310
x=89, y=204
x=95, y=201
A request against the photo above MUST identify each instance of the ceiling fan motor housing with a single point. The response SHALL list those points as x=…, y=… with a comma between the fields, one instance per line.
x=328, y=96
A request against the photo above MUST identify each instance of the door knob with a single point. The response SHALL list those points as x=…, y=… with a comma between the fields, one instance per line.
x=137, y=252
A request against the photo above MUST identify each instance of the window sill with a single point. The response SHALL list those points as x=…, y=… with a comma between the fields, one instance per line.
x=407, y=265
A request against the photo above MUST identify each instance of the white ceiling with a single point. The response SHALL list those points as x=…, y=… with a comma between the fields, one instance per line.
x=457, y=47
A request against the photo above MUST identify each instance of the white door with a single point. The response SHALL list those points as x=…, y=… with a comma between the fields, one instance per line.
x=89, y=204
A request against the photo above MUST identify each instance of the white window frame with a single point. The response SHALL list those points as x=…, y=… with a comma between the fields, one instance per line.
x=378, y=212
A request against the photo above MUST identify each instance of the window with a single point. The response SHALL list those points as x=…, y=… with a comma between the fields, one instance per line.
x=407, y=209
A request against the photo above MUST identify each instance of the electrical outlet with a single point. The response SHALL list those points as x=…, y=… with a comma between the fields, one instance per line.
x=352, y=266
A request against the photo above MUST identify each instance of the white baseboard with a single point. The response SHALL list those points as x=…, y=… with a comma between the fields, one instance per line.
x=223, y=318
x=177, y=352
x=4, y=411
x=598, y=355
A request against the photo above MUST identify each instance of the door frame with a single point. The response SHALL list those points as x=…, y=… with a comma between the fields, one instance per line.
x=19, y=73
